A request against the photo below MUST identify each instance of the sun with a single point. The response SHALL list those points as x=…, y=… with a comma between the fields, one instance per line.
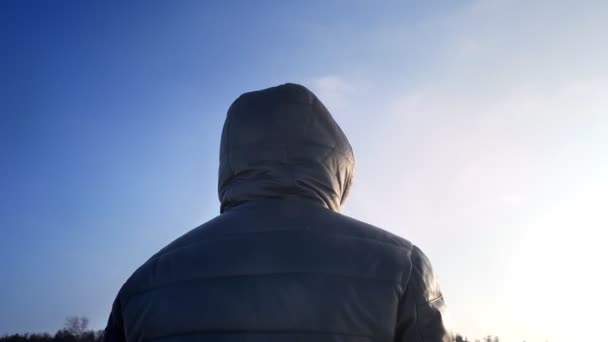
x=558, y=273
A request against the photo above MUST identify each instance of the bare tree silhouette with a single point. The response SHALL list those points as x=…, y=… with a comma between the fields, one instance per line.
x=76, y=325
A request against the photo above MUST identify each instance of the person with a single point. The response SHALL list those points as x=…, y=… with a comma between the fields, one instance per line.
x=280, y=263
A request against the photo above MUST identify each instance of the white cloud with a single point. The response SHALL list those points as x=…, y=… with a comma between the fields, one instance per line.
x=333, y=90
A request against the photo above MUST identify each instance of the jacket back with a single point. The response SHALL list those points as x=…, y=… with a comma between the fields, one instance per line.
x=280, y=263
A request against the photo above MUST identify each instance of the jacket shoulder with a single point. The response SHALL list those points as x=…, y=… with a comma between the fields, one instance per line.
x=359, y=229
x=144, y=273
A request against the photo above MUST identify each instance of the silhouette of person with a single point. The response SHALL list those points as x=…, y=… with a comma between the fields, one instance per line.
x=280, y=263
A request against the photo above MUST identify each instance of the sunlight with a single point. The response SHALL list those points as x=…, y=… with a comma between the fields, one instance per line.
x=557, y=275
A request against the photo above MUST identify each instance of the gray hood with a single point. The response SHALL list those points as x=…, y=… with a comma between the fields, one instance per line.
x=282, y=142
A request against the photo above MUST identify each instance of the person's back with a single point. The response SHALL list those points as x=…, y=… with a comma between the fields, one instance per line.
x=280, y=263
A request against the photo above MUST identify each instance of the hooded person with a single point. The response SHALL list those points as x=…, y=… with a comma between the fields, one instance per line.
x=280, y=263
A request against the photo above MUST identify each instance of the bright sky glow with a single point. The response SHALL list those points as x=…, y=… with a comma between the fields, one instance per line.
x=480, y=131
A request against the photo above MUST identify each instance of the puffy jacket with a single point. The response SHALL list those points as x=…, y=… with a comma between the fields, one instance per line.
x=280, y=263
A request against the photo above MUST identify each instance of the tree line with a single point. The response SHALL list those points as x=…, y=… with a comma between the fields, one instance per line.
x=76, y=329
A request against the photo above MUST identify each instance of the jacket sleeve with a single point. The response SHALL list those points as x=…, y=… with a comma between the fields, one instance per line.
x=114, y=331
x=421, y=315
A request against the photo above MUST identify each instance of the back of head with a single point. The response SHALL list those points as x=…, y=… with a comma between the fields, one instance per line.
x=282, y=142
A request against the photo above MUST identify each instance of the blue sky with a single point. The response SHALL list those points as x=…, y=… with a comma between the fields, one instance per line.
x=479, y=128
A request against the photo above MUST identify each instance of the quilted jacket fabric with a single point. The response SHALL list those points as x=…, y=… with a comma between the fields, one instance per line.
x=280, y=263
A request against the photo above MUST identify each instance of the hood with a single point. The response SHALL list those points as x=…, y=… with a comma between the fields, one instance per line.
x=282, y=142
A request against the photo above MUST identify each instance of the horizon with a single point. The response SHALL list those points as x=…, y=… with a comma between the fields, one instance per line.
x=480, y=131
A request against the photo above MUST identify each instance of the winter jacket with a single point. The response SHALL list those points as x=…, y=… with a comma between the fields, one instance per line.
x=280, y=263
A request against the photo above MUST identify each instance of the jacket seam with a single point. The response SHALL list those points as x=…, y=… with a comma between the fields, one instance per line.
x=417, y=305
x=433, y=300
x=405, y=288
x=326, y=147
x=235, y=236
x=129, y=296
x=418, y=326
